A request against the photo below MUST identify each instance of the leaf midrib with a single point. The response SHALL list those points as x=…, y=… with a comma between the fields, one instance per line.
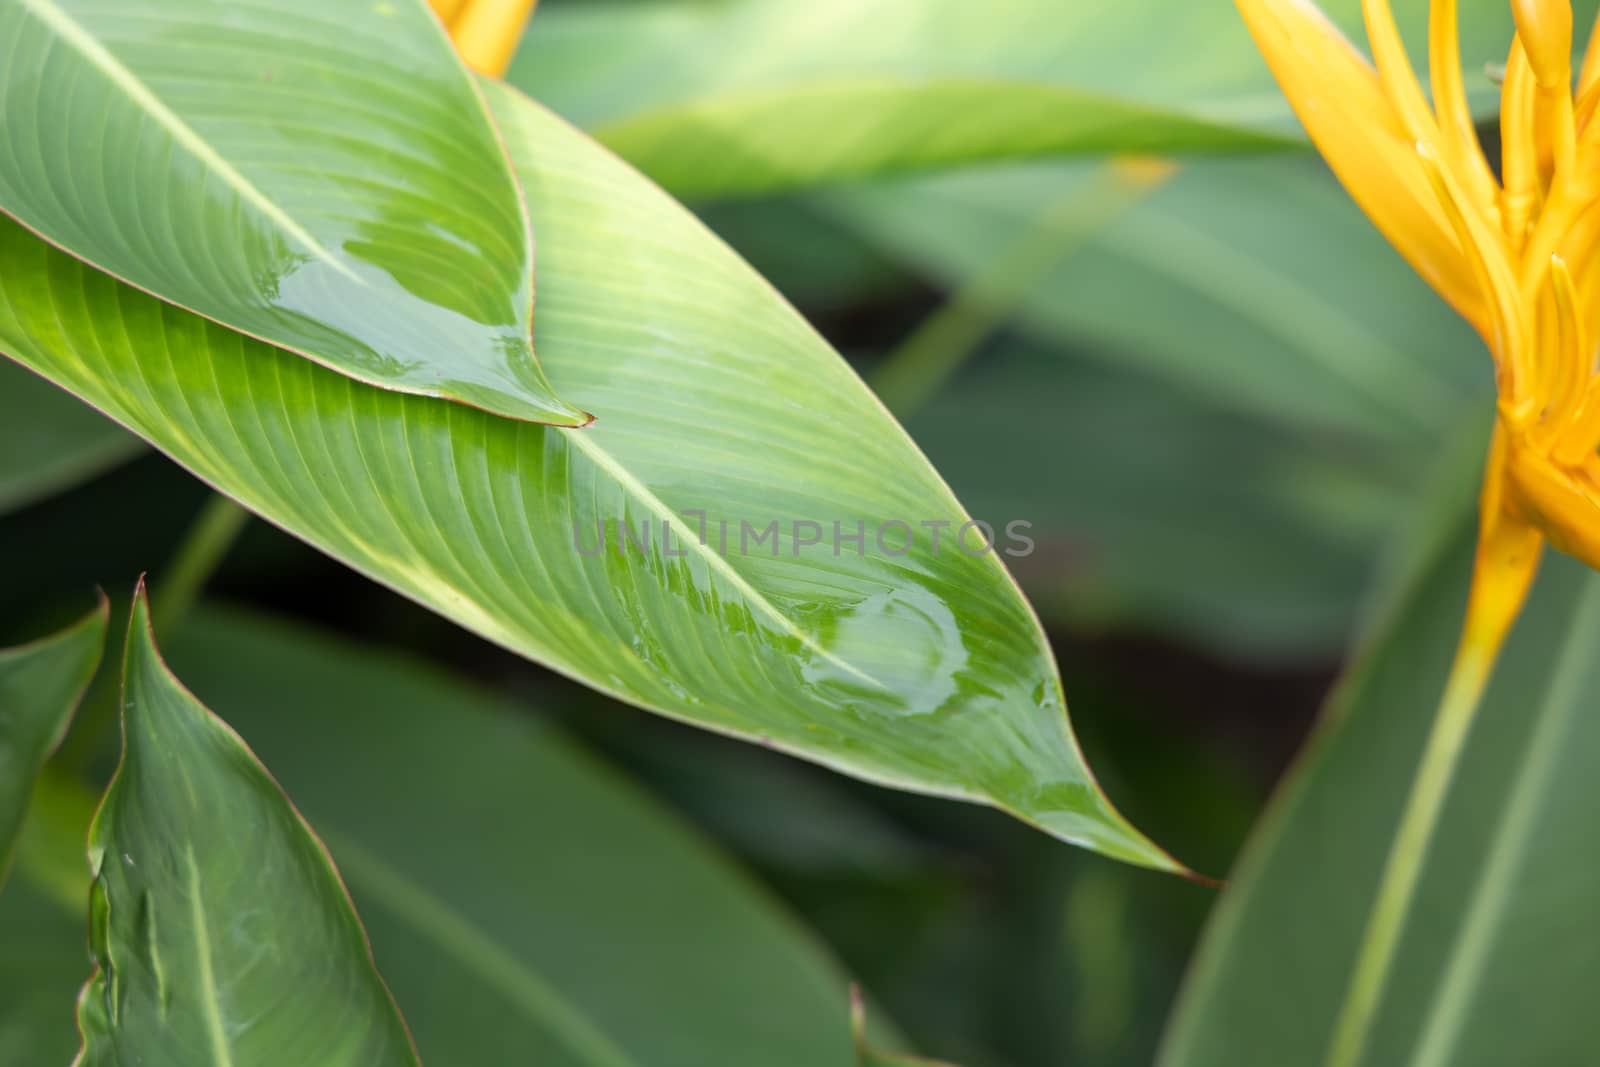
x=210, y=1004
x=585, y=442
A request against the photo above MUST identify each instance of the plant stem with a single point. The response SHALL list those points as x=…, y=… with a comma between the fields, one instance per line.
x=1511, y=843
x=1462, y=696
x=210, y=537
x=1507, y=561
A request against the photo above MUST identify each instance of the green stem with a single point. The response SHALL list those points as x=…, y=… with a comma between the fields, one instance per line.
x=1403, y=869
x=1511, y=843
x=210, y=537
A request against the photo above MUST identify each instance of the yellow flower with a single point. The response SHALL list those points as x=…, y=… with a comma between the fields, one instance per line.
x=1512, y=255
x=485, y=32
x=1516, y=256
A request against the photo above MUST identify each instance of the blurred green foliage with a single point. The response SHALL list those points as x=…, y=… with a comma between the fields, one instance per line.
x=1216, y=402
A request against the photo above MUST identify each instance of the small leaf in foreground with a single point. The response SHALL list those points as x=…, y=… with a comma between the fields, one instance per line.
x=40, y=686
x=221, y=932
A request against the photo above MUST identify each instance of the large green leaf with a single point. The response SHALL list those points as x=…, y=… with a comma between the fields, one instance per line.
x=1496, y=962
x=925, y=671
x=321, y=175
x=743, y=96
x=1208, y=283
x=40, y=686
x=50, y=441
x=221, y=932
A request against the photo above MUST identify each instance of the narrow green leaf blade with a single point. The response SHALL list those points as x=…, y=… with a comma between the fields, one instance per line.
x=747, y=96
x=221, y=932
x=920, y=668
x=320, y=175
x=40, y=686
x=1496, y=961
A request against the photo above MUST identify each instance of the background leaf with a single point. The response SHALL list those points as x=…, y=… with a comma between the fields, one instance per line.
x=42, y=965
x=49, y=441
x=221, y=933
x=1500, y=938
x=745, y=96
x=1155, y=510
x=40, y=686
x=1254, y=284
x=321, y=175
x=925, y=671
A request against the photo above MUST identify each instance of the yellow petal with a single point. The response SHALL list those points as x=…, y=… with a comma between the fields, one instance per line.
x=1341, y=103
x=488, y=31
x=1457, y=130
x=1563, y=501
x=1545, y=27
x=446, y=9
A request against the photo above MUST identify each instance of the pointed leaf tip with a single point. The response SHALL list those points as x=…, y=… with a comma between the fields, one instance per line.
x=220, y=929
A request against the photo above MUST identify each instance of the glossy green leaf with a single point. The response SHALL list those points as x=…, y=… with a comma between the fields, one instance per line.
x=40, y=686
x=1207, y=284
x=520, y=895
x=321, y=175
x=745, y=96
x=221, y=933
x=1496, y=962
x=924, y=670
x=50, y=441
